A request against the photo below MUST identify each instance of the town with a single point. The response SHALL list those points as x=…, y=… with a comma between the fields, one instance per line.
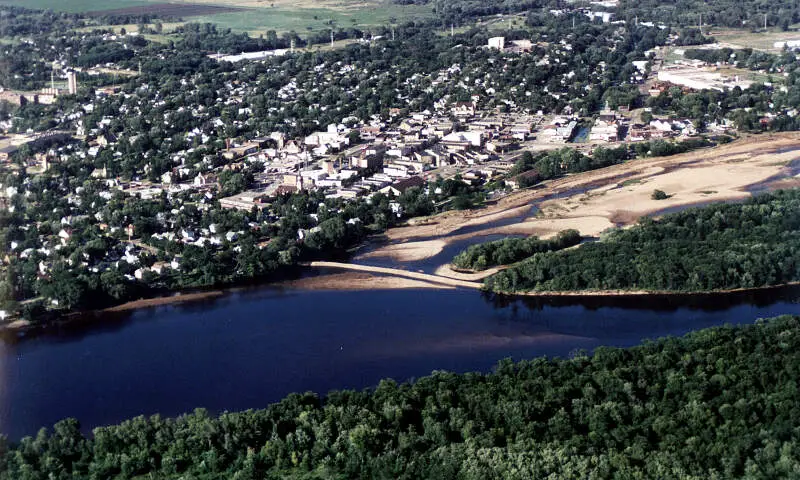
x=156, y=159
x=408, y=239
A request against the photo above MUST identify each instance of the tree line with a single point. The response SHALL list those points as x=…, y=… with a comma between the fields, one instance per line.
x=717, y=403
x=509, y=250
x=719, y=247
x=554, y=163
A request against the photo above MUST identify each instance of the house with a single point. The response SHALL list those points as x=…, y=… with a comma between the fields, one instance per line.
x=463, y=109
x=520, y=131
x=394, y=170
x=401, y=186
x=65, y=235
x=466, y=139
x=520, y=46
x=498, y=43
x=559, y=132
x=368, y=161
x=202, y=180
x=106, y=139
x=604, y=131
x=292, y=148
x=160, y=267
x=188, y=235
x=369, y=132
x=7, y=152
x=240, y=151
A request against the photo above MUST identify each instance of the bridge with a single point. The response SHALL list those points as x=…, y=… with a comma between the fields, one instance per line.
x=399, y=273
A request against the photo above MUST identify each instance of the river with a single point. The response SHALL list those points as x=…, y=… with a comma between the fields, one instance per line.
x=249, y=348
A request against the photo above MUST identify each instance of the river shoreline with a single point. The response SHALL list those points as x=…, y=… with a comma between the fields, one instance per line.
x=256, y=346
x=361, y=280
x=599, y=199
x=644, y=293
x=159, y=301
x=20, y=326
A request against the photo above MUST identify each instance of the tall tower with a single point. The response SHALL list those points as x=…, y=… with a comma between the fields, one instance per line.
x=72, y=83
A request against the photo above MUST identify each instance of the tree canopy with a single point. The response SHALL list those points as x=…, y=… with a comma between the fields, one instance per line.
x=719, y=247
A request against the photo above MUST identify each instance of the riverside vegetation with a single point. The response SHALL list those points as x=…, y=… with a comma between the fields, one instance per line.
x=503, y=252
x=717, y=403
x=719, y=247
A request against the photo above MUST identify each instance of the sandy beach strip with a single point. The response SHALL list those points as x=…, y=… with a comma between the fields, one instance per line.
x=361, y=281
x=159, y=301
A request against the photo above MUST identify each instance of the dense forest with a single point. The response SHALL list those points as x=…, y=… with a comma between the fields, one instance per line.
x=718, y=403
x=753, y=244
x=510, y=250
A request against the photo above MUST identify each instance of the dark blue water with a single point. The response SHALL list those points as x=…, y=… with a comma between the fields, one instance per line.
x=251, y=348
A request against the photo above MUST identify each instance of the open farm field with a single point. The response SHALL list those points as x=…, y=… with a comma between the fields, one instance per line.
x=308, y=19
x=252, y=16
x=169, y=10
x=77, y=6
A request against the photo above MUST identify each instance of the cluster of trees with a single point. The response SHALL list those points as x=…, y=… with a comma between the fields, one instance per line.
x=554, y=163
x=741, y=58
x=718, y=403
x=18, y=21
x=504, y=252
x=48, y=38
x=458, y=12
x=207, y=37
x=720, y=247
x=663, y=148
x=721, y=13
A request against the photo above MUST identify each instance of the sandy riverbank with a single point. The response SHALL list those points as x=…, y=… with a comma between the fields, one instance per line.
x=613, y=196
x=159, y=301
x=361, y=281
x=639, y=293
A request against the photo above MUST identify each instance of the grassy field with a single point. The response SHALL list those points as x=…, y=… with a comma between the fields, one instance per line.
x=495, y=25
x=756, y=40
x=304, y=20
x=302, y=16
x=163, y=38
